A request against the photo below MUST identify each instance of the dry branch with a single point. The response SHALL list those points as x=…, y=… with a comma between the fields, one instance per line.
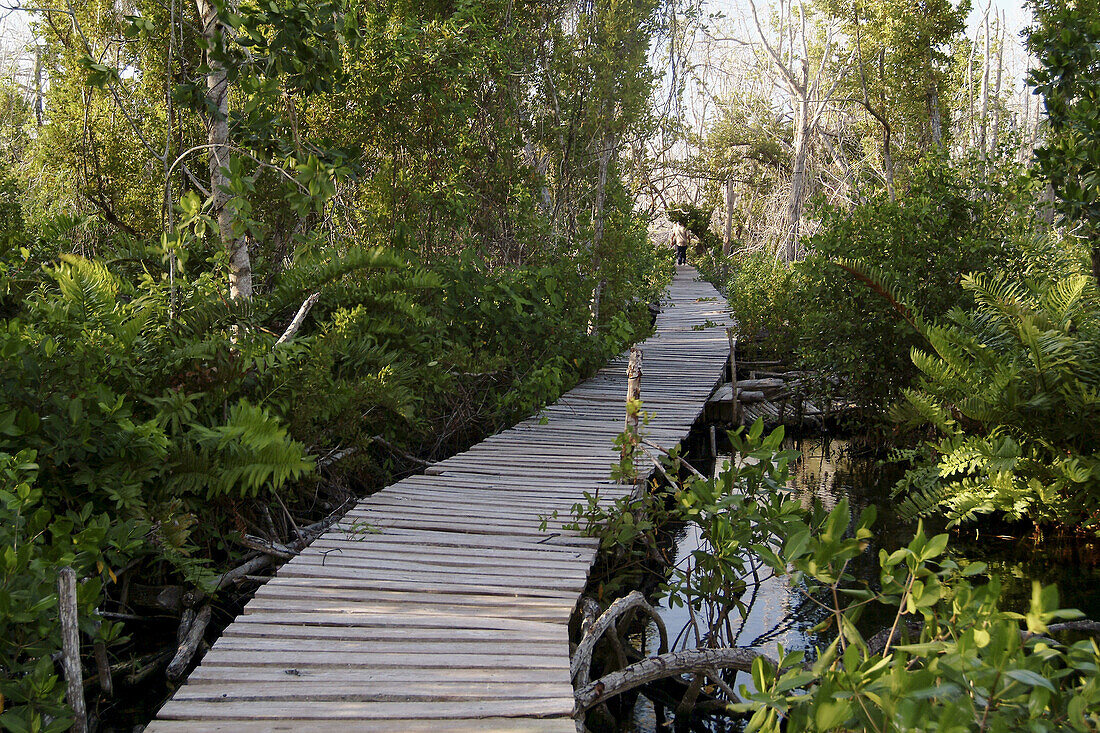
x=296, y=322
x=186, y=651
x=662, y=666
x=240, y=572
x=582, y=658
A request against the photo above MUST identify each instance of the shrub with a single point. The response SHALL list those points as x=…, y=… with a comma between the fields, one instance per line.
x=1012, y=389
x=946, y=225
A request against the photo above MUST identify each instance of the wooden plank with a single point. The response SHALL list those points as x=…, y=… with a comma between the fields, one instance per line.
x=478, y=725
x=359, y=632
x=284, y=658
x=308, y=710
x=216, y=676
x=399, y=623
x=292, y=688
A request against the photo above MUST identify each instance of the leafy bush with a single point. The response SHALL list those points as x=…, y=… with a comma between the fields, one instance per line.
x=1012, y=389
x=764, y=295
x=37, y=543
x=950, y=658
x=953, y=660
x=946, y=225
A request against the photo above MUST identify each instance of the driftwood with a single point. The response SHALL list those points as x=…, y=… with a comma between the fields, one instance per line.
x=761, y=384
x=190, y=644
x=1086, y=625
x=296, y=322
x=582, y=659
x=241, y=571
x=275, y=549
x=664, y=665
x=70, y=646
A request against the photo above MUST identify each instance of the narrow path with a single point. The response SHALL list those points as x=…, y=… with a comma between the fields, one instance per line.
x=439, y=604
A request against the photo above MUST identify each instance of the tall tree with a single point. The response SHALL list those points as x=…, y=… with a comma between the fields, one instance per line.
x=810, y=72
x=1066, y=43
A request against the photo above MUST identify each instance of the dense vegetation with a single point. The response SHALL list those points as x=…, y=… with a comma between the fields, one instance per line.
x=954, y=303
x=258, y=259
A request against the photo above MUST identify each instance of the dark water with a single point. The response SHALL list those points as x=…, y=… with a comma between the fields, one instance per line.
x=831, y=470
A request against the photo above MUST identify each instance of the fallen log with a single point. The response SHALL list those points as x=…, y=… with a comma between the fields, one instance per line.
x=186, y=650
x=582, y=659
x=661, y=666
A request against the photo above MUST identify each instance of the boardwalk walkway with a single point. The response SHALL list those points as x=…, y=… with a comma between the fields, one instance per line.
x=438, y=604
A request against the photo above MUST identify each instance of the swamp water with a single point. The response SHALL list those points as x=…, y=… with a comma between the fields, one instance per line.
x=833, y=469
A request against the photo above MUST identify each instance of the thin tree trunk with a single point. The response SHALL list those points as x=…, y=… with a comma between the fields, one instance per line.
x=38, y=85
x=607, y=145
x=983, y=130
x=887, y=155
x=997, y=88
x=935, y=117
x=217, y=132
x=727, y=239
x=798, y=179
x=970, y=98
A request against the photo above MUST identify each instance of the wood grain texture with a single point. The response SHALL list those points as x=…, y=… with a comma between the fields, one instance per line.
x=441, y=603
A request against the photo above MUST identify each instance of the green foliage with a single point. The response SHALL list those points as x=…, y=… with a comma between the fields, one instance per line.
x=1066, y=44
x=37, y=542
x=697, y=221
x=949, y=223
x=1012, y=389
x=952, y=659
x=763, y=295
x=969, y=666
x=144, y=422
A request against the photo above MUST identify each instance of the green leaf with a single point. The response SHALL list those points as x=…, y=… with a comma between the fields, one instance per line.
x=1030, y=678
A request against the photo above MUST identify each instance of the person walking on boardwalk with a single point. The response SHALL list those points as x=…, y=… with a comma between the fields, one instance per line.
x=679, y=241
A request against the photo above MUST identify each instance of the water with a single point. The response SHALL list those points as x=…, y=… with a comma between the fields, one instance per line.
x=834, y=469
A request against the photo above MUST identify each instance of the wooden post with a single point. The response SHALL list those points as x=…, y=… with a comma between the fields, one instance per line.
x=736, y=404
x=633, y=392
x=70, y=648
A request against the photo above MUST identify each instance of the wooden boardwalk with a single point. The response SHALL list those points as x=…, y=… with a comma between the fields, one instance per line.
x=438, y=604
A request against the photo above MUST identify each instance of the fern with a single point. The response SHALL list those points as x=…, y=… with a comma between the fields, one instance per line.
x=1013, y=389
x=251, y=451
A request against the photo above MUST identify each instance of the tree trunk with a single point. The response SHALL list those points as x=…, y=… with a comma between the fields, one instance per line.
x=38, y=85
x=984, y=122
x=607, y=144
x=727, y=238
x=798, y=178
x=997, y=90
x=217, y=133
x=934, y=117
x=887, y=155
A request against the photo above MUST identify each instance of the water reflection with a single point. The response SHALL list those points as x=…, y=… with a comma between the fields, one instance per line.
x=832, y=469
